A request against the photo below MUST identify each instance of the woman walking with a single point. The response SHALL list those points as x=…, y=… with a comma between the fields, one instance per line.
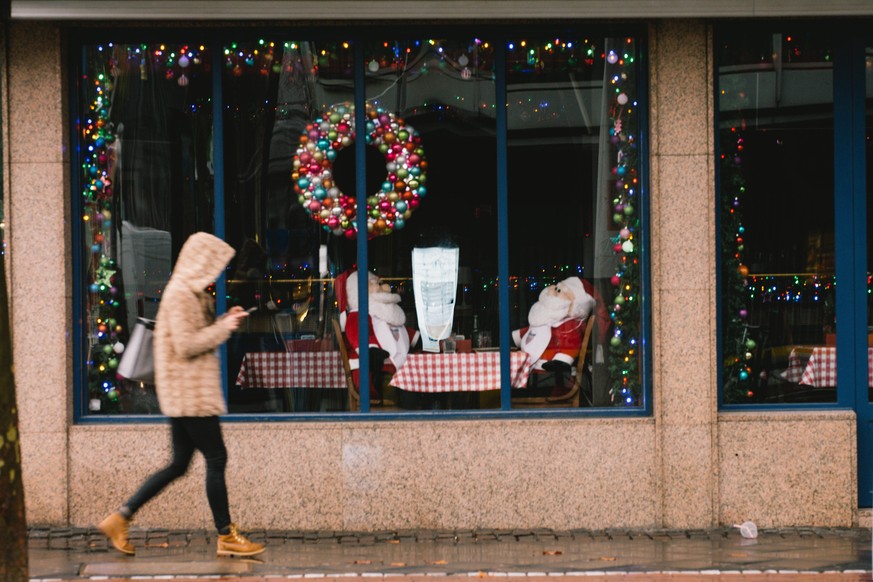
x=188, y=386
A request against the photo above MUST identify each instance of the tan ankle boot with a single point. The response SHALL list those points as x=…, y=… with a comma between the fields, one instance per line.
x=236, y=544
x=114, y=527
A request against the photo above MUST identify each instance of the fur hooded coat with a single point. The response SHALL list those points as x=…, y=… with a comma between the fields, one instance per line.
x=187, y=367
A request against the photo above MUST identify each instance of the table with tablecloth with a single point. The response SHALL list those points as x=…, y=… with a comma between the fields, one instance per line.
x=459, y=372
x=820, y=370
x=797, y=360
x=292, y=370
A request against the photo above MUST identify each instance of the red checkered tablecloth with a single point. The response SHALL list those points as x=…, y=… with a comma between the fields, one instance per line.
x=473, y=372
x=292, y=370
x=797, y=360
x=821, y=368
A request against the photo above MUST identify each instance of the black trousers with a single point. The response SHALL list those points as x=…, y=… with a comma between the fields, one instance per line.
x=190, y=434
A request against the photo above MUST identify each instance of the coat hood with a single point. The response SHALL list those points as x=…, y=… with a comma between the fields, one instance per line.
x=202, y=260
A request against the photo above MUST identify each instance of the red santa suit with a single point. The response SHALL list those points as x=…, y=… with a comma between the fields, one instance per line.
x=558, y=340
x=394, y=339
x=391, y=336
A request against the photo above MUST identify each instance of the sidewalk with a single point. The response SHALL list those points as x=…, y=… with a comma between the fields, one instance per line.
x=819, y=554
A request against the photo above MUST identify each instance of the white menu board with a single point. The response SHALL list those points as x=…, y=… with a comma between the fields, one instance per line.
x=435, y=283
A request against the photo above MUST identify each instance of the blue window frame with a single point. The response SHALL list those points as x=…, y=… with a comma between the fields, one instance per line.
x=193, y=119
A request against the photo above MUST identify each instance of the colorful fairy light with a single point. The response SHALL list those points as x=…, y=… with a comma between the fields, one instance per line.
x=625, y=384
x=737, y=376
x=98, y=174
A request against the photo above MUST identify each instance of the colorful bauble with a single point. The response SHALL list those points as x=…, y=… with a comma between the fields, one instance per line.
x=403, y=187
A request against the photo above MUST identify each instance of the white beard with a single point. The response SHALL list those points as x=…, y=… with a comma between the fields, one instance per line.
x=385, y=306
x=548, y=310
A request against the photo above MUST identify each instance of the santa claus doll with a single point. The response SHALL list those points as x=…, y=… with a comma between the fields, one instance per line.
x=389, y=338
x=557, y=323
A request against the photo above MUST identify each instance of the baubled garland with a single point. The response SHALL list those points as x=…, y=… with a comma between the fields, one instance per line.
x=400, y=193
x=624, y=362
x=104, y=325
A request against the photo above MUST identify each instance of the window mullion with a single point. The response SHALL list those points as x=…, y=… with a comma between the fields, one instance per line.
x=502, y=220
x=361, y=218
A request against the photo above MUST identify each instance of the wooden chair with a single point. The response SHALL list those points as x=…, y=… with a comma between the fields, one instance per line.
x=354, y=393
x=572, y=397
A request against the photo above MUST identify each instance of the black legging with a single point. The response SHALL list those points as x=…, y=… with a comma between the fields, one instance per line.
x=190, y=434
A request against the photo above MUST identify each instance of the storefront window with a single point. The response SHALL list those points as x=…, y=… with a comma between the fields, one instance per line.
x=147, y=183
x=776, y=188
x=574, y=217
x=443, y=91
x=279, y=96
x=278, y=175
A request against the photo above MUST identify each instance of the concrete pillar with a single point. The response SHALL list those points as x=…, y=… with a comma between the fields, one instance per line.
x=39, y=261
x=683, y=253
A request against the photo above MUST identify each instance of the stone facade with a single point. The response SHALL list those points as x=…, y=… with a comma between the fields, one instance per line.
x=687, y=466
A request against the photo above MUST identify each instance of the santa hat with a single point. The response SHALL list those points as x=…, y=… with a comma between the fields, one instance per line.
x=583, y=302
x=351, y=288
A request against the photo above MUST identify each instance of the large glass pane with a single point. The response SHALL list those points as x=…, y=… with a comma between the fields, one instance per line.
x=433, y=173
x=145, y=146
x=281, y=167
x=575, y=234
x=776, y=191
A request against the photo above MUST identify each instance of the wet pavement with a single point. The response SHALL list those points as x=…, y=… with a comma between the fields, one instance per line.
x=797, y=554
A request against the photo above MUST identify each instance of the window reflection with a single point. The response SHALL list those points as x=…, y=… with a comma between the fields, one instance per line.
x=147, y=179
x=444, y=89
x=574, y=218
x=777, y=218
x=290, y=202
x=275, y=92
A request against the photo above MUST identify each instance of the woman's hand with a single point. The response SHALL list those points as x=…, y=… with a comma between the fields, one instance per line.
x=233, y=319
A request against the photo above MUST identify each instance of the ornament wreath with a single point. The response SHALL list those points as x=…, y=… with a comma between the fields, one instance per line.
x=405, y=182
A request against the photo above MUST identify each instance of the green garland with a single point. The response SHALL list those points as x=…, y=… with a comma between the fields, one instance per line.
x=738, y=379
x=625, y=383
x=103, y=323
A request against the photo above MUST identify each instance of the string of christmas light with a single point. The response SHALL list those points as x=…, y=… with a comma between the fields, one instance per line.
x=173, y=64
x=274, y=57
x=737, y=380
x=390, y=61
x=103, y=324
x=806, y=289
x=625, y=385
x=418, y=58
x=554, y=56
